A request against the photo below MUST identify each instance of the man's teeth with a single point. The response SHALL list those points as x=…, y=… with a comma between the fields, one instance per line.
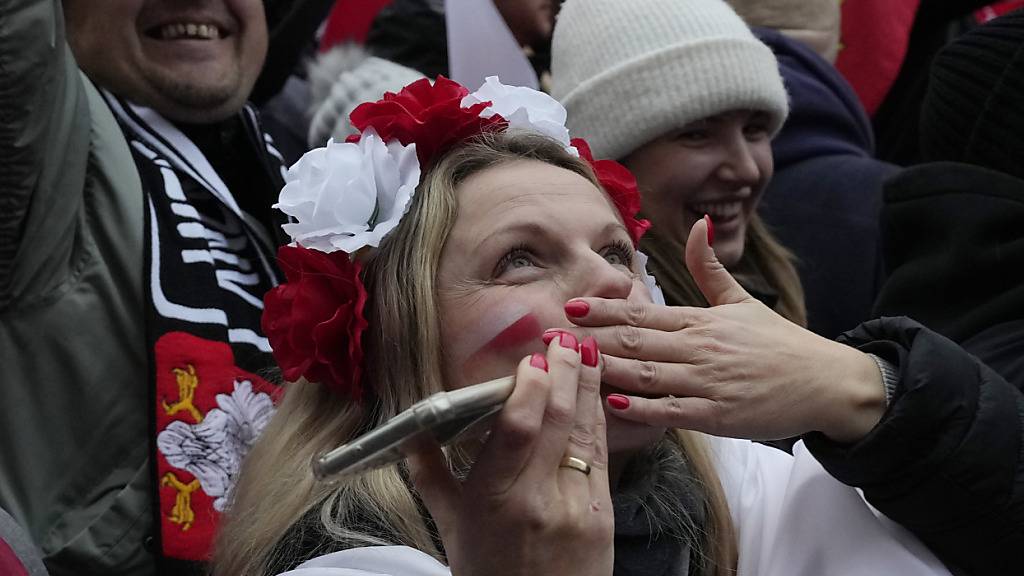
x=201, y=31
x=718, y=210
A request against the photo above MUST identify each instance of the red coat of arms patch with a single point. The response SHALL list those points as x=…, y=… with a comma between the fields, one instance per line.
x=209, y=413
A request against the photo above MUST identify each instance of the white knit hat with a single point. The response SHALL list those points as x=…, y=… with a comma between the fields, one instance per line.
x=629, y=71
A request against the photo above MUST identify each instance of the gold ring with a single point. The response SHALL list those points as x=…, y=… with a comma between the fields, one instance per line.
x=575, y=464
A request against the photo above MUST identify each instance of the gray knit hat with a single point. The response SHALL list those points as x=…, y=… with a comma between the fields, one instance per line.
x=629, y=71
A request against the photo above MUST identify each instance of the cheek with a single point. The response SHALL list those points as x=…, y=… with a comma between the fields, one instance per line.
x=95, y=35
x=493, y=339
x=253, y=21
x=677, y=181
x=765, y=161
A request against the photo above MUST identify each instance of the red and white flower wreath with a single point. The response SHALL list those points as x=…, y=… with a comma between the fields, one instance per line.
x=346, y=197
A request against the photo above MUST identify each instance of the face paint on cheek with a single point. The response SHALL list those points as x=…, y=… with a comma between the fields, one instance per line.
x=526, y=330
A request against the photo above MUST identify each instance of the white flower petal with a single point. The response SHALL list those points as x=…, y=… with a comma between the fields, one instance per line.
x=523, y=108
x=657, y=296
x=346, y=196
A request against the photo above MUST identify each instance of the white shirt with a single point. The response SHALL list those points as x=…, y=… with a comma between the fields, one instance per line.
x=791, y=519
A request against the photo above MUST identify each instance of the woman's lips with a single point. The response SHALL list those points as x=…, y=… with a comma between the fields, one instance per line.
x=719, y=211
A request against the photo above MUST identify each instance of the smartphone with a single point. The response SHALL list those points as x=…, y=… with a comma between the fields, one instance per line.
x=447, y=416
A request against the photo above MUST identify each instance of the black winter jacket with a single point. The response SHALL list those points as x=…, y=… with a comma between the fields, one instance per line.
x=947, y=460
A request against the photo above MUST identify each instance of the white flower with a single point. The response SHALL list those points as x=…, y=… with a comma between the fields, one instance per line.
x=346, y=196
x=524, y=108
x=652, y=284
x=213, y=450
x=248, y=413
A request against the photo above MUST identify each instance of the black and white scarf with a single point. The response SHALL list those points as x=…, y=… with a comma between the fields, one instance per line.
x=208, y=264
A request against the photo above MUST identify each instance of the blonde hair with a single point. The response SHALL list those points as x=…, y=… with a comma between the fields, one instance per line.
x=403, y=364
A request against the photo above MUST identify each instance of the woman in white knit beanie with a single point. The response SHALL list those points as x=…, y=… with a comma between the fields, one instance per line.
x=683, y=94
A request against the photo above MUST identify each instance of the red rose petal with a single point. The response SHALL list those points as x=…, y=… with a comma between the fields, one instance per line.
x=315, y=321
x=620, y=185
x=432, y=116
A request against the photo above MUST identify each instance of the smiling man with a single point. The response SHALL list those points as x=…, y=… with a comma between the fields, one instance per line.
x=136, y=243
x=193, y=61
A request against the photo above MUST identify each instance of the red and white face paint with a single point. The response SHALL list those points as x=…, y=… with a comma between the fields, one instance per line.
x=511, y=331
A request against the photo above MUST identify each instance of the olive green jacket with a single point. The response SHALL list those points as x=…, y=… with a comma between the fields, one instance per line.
x=74, y=438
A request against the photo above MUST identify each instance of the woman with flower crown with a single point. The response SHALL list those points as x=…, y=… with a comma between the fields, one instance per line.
x=437, y=249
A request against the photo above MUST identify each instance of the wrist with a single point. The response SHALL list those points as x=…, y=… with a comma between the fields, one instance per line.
x=860, y=400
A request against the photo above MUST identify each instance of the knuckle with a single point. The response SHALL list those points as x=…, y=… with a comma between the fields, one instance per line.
x=709, y=346
x=630, y=338
x=589, y=385
x=559, y=414
x=636, y=312
x=647, y=375
x=532, y=379
x=582, y=436
x=535, y=517
x=673, y=407
x=519, y=432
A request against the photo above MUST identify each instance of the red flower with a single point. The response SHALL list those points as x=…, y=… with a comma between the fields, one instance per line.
x=315, y=321
x=431, y=115
x=620, y=184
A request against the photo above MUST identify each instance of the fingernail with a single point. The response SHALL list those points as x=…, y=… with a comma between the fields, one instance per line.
x=549, y=335
x=589, y=353
x=577, y=308
x=567, y=340
x=711, y=230
x=539, y=361
x=618, y=401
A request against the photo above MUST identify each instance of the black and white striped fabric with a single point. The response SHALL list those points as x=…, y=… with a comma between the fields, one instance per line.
x=208, y=263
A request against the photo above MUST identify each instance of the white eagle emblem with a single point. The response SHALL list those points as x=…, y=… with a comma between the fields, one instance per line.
x=213, y=449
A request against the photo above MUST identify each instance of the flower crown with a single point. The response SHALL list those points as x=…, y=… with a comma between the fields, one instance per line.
x=345, y=198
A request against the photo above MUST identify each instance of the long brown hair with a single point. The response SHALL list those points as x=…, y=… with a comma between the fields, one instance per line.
x=765, y=263
x=404, y=352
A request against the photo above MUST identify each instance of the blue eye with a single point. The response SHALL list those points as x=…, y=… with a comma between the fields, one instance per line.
x=520, y=261
x=518, y=257
x=619, y=253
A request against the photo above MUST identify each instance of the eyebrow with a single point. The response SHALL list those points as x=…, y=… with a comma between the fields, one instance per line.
x=535, y=229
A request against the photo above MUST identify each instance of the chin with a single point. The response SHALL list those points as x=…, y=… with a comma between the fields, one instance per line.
x=199, y=107
x=729, y=253
x=199, y=99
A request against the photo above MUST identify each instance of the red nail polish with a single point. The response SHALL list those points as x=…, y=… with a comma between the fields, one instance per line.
x=711, y=230
x=589, y=353
x=567, y=340
x=539, y=361
x=550, y=335
x=618, y=401
x=577, y=309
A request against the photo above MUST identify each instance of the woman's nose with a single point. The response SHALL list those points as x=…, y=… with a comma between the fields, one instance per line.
x=738, y=163
x=597, y=277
